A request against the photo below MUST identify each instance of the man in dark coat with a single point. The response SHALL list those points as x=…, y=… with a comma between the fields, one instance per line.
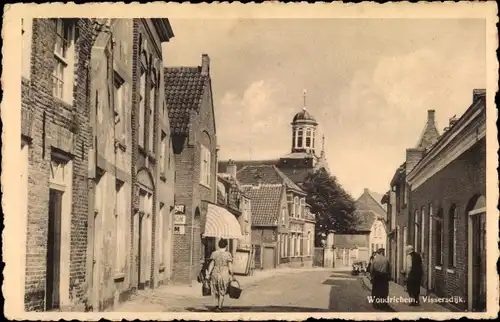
x=380, y=269
x=414, y=274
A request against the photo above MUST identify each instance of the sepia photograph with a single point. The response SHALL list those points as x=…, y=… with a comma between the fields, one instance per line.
x=201, y=165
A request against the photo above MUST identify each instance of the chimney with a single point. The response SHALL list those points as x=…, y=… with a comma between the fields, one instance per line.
x=366, y=191
x=477, y=93
x=413, y=156
x=205, y=64
x=431, y=116
x=231, y=168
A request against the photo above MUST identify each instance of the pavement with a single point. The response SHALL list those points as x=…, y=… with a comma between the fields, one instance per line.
x=397, y=292
x=278, y=290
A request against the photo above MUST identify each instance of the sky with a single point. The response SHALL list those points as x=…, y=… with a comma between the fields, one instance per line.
x=369, y=84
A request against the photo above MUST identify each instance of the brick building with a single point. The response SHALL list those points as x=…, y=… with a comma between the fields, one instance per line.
x=397, y=200
x=292, y=240
x=132, y=174
x=230, y=195
x=56, y=137
x=447, y=217
x=188, y=94
x=268, y=208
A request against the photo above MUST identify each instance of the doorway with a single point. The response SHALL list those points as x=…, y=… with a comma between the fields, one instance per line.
x=477, y=256
x=53, y=264
x=268, y=257
x=430, y=267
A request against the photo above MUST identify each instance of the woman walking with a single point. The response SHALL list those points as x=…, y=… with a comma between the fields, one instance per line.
x=220, y=271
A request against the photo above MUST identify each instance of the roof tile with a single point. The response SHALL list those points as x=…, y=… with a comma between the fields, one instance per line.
x=184, y=87
x=266, y=202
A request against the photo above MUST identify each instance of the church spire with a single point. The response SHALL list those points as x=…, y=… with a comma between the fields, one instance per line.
x=305, y=96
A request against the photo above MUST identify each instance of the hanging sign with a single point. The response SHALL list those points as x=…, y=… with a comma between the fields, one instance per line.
x=179, y=219
x=179, y=229
x=180, y=209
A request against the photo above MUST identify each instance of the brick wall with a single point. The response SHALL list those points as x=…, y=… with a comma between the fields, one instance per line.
x=460, y=181
x=50, y=117
x=189, y=191
x=146, y=50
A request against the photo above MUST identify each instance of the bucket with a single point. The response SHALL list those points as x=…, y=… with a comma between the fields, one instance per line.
x=234, y=289
x=206, y=289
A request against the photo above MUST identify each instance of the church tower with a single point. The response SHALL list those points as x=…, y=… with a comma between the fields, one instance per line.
x=304, y=156
x=304, y=127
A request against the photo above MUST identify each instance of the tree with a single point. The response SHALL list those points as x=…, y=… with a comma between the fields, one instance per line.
x=334, y=207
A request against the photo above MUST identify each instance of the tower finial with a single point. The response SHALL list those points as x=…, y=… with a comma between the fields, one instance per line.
x=305, y=94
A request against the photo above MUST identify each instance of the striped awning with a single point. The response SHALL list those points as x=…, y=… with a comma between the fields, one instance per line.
x=221, y=223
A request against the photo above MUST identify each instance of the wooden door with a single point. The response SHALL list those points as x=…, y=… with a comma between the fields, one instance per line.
x=479, y=262
x=53, y=264
x=268, y=258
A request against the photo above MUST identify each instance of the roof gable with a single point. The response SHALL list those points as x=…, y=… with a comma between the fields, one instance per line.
x=266, y=201
x=267, y=174
x=371, y=201
x=366, y=218
x=184, y=90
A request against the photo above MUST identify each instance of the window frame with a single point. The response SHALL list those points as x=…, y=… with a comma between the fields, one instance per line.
x=452, y=238
x=151, y=112
x=163, y=152
x=300, y=138
x=205, y=166
x=61, y=74
x=141, y=140
x=439, y=233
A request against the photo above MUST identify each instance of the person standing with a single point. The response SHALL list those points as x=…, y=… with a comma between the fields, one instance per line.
x=380, y=269
x=220, y=271
x=369, y=268
x=414, y=273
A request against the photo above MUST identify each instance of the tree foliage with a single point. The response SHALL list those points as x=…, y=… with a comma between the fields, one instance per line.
x=334, y=207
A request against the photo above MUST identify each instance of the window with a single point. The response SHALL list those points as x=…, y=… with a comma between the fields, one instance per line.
x=294, y=138
x=120, y=226
x=422, y=230
x=300, y=245
x=119, y=104
x=285, y=239
x=152, y=102
x=313, y=138
x=63, y=67
x=439, y=238
x=452, y=237
x=292, y=245
x=416, y=233
x=300, y=134
x=142, y=97
x=283, y=215
x=289, y=200
x=308, y=251
x=161, y=230
x=308, y=138
x=163, y=151
x=27, y=35
x=205, y=166
x=296, y=207
x=302, y=207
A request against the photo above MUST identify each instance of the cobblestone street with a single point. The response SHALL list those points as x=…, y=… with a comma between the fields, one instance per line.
x=303, y=290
